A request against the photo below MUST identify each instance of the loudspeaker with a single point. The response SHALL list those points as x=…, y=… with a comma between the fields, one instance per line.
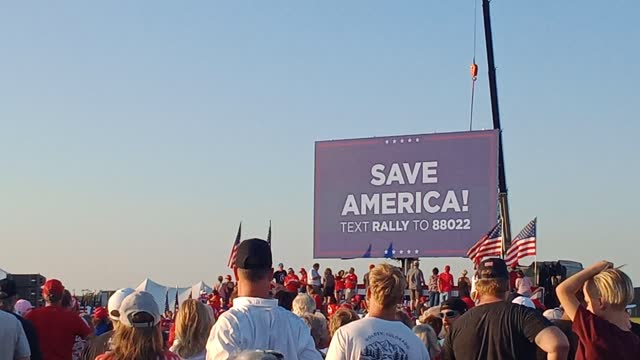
x=29, y=287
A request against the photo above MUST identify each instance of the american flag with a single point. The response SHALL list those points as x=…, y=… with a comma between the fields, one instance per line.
x=489, y=245
x=166, y=300
x=269, y=234
x=234, y=250
x=176, y=303
x=523, y=245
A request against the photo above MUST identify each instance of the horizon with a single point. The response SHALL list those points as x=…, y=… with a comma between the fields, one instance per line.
x=135, y=137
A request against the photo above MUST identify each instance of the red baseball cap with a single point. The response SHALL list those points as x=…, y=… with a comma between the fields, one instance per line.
x=100, y=313
x=467, y=300
x=53, y=287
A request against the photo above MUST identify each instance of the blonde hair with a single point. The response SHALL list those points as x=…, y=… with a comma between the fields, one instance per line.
x=319, y=330
x=303, y=304
x=429, y=338
x=193, y=323
x=492, y=287
x=613, y=287
x=131, y=343
x=387, y=285
x=341, y=318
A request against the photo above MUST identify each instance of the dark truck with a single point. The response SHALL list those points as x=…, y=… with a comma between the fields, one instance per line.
x=549, y=275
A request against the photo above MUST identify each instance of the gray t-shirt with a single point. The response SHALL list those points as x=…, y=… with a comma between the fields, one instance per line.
x=415, y=278
x=13, y=341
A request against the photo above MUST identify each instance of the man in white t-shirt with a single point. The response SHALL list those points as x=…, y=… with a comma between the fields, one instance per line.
x=314, y=279
x=256, y=322
x=380, y=335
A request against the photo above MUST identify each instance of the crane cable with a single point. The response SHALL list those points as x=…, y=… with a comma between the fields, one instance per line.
x=474, y=66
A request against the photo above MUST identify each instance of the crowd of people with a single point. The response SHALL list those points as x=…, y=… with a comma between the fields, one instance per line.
x=280, y=314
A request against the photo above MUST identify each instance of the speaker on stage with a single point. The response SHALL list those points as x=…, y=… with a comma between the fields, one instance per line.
x=29, y=287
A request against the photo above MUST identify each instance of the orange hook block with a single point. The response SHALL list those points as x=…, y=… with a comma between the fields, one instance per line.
x=474, y=71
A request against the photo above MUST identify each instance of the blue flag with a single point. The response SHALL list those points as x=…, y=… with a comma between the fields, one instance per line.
x=389, y=252
x=367, y=254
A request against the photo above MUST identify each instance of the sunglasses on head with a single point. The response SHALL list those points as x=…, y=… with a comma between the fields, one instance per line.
x=449, y=314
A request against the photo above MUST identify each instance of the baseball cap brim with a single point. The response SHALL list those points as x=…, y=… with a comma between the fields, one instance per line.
x=136, y=303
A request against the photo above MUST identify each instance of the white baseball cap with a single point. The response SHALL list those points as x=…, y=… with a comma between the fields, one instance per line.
x=139, y=302
x=524, y=301
x=115, y=300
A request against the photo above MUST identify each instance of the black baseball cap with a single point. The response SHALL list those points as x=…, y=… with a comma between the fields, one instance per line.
x=8, y=288
x=454, y=303
x=254, y=254
x=494, y=268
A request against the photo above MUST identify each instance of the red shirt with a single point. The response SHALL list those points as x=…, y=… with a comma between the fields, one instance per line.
x=318, y=300
x=292, y=283
x=600, y=339
x=445, y=282
x=303, y=280
x=350, y=281
x=215, y=301
x=339, y=283
x=57, y=329
x=513, y=276
x=167, y=355
x=331, y=309
x=172, y=335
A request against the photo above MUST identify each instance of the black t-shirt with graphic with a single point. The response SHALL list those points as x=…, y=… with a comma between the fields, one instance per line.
x=279, y=276
x=497, y=331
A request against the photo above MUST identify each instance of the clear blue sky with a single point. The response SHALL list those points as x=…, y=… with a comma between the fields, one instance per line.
x=135, y=137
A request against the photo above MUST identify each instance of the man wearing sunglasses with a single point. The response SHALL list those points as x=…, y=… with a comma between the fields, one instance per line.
x=497, y=329
x=450, y=311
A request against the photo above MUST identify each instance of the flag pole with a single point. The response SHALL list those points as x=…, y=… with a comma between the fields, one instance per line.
x=535, y=267
x=535, y=264
x=504, y=241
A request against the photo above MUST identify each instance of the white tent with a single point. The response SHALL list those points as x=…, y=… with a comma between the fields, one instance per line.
x=166, y=295
x=201, y=286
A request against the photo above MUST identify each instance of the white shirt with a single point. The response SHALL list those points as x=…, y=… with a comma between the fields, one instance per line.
x=523, y=286
x=310, y=278
x=260, y=324
x=474, y=281
x=374, y=338
x=13, y=341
